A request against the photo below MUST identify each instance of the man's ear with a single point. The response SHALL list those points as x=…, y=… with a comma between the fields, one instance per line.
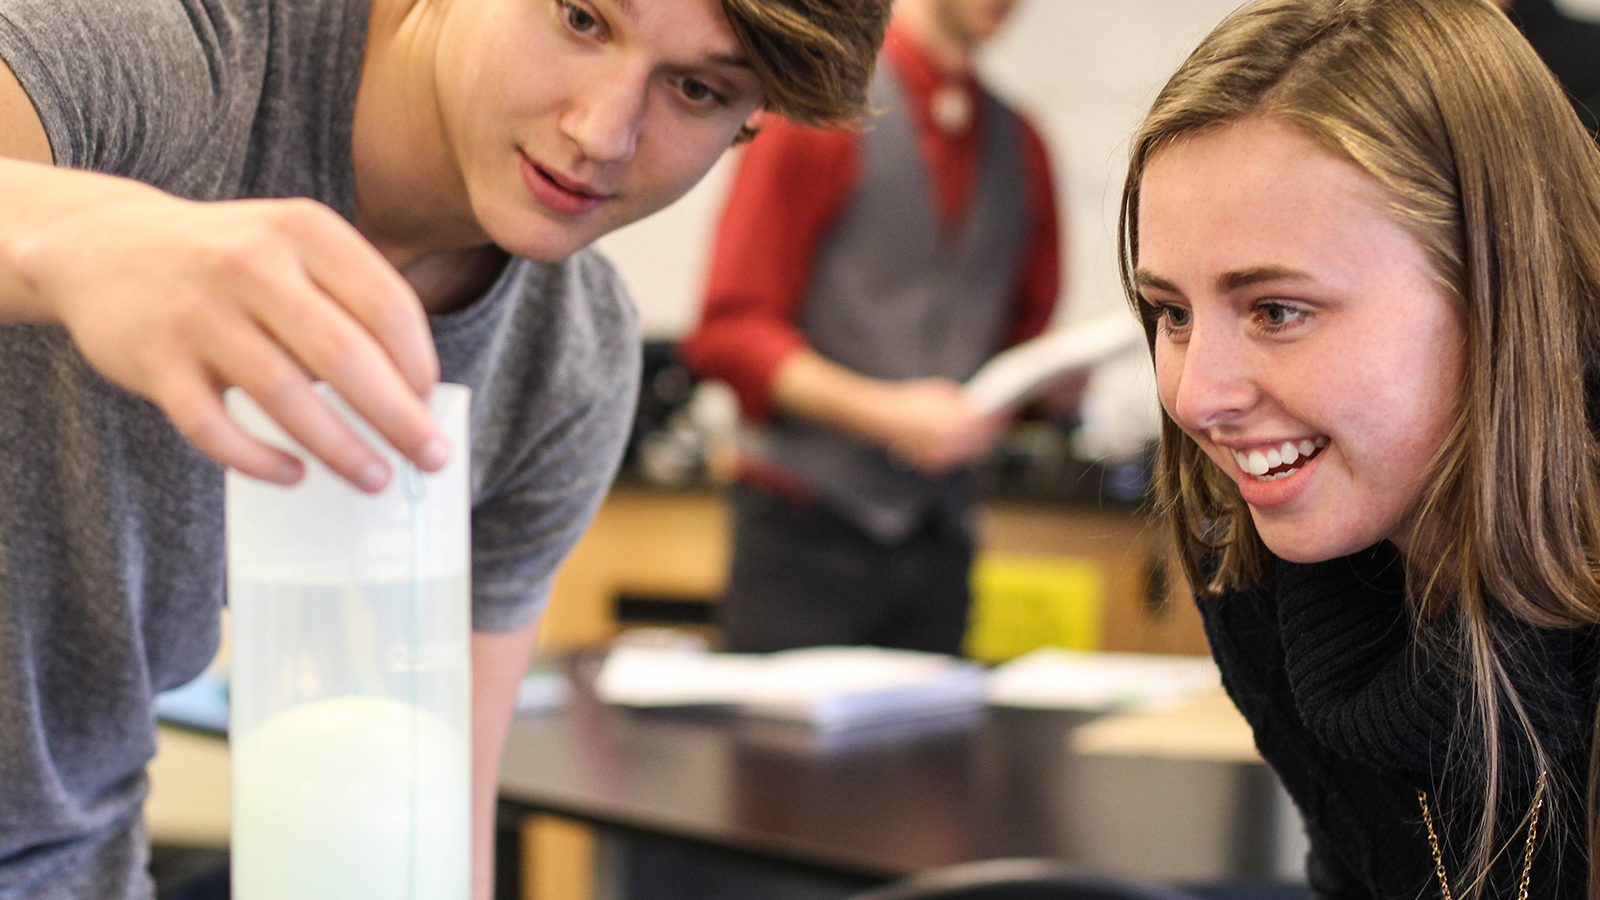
x=750, y=128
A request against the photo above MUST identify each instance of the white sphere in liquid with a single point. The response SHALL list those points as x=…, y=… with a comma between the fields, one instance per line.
x=353, y=797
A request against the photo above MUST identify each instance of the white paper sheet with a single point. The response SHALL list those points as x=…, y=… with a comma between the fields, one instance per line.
x=830, y=688
x=1052, y=678
x=1011, y=375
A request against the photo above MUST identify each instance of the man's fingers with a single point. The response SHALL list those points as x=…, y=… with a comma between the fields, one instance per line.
x=333, y=347
x=269, y=295
x=310, y=421
x=384, y=362
x=345, y=267
x=194, y=405
x=282, y=388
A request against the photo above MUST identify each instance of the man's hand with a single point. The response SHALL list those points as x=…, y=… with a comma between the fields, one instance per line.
x=930, y=423
x=177, y=301
x=927, y=422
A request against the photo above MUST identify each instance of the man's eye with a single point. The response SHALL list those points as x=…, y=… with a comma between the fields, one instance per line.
x=578, y=18
x=699, y=92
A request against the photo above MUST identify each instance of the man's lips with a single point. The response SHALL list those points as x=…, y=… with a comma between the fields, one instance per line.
x=559, y=193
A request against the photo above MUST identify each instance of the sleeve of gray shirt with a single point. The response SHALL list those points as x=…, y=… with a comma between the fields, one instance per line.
x=111, y=75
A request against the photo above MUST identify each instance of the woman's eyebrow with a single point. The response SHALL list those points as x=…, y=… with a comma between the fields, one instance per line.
x=1145, y=278
x=1227, y=281
x=1232, y=281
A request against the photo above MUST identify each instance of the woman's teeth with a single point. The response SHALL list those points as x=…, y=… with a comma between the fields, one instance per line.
x=1258, y=463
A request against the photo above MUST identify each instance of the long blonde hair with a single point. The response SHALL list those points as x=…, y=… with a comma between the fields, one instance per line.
x=1484, y=162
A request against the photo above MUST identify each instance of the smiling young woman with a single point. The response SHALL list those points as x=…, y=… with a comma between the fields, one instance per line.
x=1364, y=236
x=1292, y=311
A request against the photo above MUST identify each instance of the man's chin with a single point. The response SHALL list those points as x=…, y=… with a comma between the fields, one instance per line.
x=546, y=248
x=550, y=257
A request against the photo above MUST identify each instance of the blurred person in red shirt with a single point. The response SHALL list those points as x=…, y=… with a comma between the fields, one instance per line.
x=857, y=279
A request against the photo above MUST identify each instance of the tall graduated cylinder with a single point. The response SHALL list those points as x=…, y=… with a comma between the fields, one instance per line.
x=349, y=695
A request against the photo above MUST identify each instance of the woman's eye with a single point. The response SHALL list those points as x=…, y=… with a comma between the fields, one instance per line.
x=1278, y=315
x=578, y=18
x=1169, y=317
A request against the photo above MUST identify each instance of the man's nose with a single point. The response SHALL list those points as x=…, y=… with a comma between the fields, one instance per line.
x=604, y=118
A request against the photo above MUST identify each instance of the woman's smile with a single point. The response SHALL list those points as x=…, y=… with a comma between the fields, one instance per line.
x=1278, y=461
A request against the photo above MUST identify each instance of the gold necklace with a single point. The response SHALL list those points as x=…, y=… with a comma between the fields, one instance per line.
x=1527, y=855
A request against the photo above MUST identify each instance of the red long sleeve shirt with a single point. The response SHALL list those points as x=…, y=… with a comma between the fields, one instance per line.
x=789, y=187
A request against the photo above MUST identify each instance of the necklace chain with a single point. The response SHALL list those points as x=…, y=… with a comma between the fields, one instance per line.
x=1527, y=854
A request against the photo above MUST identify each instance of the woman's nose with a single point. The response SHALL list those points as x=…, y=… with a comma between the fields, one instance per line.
x=1213, y=380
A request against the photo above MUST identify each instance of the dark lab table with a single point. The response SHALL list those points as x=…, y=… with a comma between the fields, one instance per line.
x=870, y=807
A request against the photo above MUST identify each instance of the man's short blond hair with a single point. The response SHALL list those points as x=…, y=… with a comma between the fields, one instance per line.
x=814, y=58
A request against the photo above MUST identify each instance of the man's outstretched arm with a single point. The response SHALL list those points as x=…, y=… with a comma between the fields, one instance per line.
x=177, y=300
x=499, y=660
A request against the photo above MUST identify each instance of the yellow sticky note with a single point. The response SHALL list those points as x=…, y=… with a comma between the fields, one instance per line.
x=1022, y=603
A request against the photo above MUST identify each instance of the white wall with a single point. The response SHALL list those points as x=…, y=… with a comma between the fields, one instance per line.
x=1084, y=71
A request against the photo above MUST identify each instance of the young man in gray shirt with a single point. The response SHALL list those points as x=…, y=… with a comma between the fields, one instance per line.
x=201, y=194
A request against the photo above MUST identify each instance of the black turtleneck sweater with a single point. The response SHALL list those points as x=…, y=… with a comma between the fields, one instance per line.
x=1355, y=718
x=1570, y=47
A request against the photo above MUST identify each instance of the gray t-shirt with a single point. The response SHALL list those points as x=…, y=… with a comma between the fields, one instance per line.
x=111, y=547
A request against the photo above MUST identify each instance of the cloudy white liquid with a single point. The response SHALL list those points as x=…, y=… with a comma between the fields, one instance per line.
x=351, y=760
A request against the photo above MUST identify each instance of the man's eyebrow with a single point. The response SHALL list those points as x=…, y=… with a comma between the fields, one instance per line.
x=736, y=60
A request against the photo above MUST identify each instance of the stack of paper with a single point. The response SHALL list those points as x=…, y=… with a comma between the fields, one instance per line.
x=1052, y=678
x=829, y=688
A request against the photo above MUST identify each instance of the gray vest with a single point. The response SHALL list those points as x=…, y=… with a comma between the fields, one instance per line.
x=892, y=297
